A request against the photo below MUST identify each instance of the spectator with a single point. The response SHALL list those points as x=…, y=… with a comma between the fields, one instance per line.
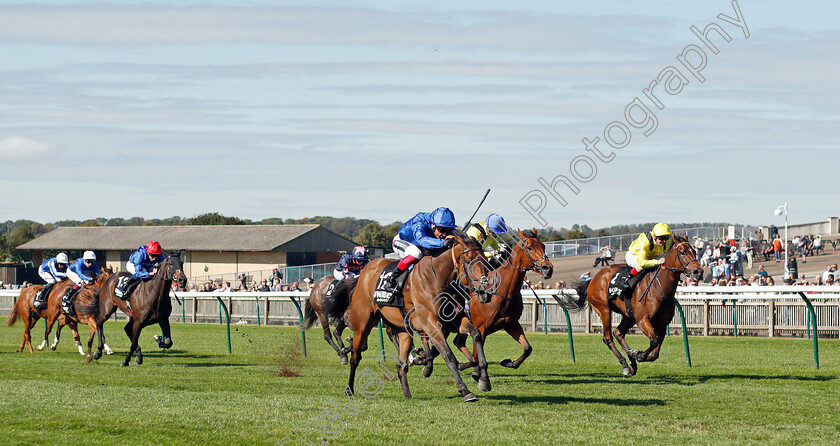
x=560, y=285
x=830, y=281
x=277, y=285
x=294, y=287
x=706, y=258
x=777, y=248
x=604, y=258
x=831, y=270
x=308, y=282
x=699, y=245
x=264, y=286
x=818, y=245
x=540, y=285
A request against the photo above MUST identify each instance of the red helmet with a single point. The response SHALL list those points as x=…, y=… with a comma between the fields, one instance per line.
x=154, y=248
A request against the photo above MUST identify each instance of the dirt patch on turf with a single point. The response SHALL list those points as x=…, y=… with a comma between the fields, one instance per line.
x=288, y=361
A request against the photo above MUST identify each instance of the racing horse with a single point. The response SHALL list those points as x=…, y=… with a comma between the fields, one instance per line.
x=505, y=306
x=428, y=308
x=24, y=309
x=86, y=307
x=147, y=304
x=652, y=302
x=315, y=309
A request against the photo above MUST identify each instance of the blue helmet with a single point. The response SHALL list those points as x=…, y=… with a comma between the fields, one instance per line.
x=496, y=223
x=444, y=218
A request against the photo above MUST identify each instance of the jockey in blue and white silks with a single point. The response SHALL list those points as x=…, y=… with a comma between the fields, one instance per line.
x=52, y=271
x=83, y=270
x=426, y=230
x=141, y=264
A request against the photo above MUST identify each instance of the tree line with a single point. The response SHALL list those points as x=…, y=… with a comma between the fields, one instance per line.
x=361, y=230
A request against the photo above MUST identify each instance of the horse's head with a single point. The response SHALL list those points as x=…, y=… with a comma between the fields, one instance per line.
x=682, y=258
x=175, y=268
x=472, y=267
x=103, y=274
x=534, y=254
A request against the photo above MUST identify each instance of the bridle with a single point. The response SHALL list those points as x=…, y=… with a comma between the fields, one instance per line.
x=533, y=266
x=684, y=266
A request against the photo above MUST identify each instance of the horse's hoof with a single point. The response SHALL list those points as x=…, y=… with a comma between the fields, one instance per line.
x=109, y=352
x=627, y=371
x=475, y=376
x=125, y=364
x=508, y=363
x=138, y=360
x=427, y=371
x=470, y=398
x=97, y=354
x=484, y=385
x=344, y=360
x=53, y=347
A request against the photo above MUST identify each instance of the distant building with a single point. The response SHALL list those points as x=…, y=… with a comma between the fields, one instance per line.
x=213, y=250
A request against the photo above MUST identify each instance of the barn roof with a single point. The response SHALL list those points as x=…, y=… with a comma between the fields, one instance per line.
x=288, y=238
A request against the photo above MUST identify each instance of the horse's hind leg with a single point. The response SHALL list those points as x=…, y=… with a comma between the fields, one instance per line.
x=606, y=321
x=480, y=372
x=27, y=333
x=342, y=349
x=47, y=331
x=75, y=329
x=405, y=345
x=656, y=337
x=98, y=353
x=362, y=328
x=515, y=331
x=619, y=333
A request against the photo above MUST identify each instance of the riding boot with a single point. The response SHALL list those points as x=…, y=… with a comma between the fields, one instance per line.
x=68, y=298
x=42, y=297
x=392, y=283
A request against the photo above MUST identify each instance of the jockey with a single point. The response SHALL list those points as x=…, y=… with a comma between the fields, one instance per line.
x=141, y=264
x=82, y=271
x=486, y=233
x=351, y=263
x=425, y=231
x=647, y=251
x=52, y=271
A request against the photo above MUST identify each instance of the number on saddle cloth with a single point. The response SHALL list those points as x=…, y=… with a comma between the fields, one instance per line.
x=331, y=288
x=384, y=297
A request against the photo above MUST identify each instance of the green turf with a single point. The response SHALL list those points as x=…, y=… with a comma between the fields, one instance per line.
x=740, y=391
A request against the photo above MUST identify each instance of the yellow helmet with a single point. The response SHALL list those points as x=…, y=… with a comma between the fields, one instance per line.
x=661, y=229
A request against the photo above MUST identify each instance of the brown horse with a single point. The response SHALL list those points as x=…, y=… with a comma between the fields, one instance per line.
x=652, y=300
x=87, y=312
x=505, y=305
x=149, y=304
x=428, y=308
x=315, y=310
x=24, y=309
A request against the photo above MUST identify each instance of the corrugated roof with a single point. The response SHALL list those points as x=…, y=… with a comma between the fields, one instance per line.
x=194, y=238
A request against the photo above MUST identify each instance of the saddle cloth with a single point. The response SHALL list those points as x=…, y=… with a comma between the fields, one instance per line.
x=613, y=290
x=387, y=298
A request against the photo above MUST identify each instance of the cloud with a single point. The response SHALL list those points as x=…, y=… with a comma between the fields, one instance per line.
x=19, y=147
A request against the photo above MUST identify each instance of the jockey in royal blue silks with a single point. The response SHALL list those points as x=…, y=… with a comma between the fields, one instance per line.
x=83, y=270
x=52, y=270
x=425, y=231
x=141, y=264
x=350, y=264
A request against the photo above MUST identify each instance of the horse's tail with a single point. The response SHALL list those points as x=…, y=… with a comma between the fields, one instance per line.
x=568, y=301
x=13, y=316
x=309, y=316
x=339, y=300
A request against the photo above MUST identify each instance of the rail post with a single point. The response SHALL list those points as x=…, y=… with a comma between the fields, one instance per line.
x=813, y=315
x=258, y=310
x=227, y=315
x=300, y=324
x=569, y=327
x=381, y=341
x=685, y=333
x=735, y=316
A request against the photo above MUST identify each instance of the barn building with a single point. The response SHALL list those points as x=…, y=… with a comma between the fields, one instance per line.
x=208, y=250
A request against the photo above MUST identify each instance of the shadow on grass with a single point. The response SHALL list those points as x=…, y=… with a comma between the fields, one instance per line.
x=604, y=378
x=566, y=400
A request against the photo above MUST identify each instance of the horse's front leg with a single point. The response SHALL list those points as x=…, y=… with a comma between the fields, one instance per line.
x=655, y=340
x=516, y=332
x=132, y=330
x=480, y=372
x=74, y=327
x=620, y=332
x=47, y=331
x=166, y=342
x=606, y=320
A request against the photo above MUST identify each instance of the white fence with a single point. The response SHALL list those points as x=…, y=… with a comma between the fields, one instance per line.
x=760, y=311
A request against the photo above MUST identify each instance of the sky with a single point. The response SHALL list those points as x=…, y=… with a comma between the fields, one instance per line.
x=380, y=110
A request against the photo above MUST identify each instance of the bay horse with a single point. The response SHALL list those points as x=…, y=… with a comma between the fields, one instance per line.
x=149, y=304
x=428, y=308
x=24, y=309
x=652, y=302
x=87, y=312
x=315, y=309
x=503, y=310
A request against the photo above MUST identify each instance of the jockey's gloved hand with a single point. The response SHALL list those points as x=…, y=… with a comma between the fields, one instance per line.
x=448, y=243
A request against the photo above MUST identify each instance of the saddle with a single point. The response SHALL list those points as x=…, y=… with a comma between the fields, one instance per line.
x=385, y=298
x=131, y=287
x=615, y=291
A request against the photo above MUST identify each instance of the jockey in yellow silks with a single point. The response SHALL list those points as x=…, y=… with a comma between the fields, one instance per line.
x=647, y=251
x=486, y=233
